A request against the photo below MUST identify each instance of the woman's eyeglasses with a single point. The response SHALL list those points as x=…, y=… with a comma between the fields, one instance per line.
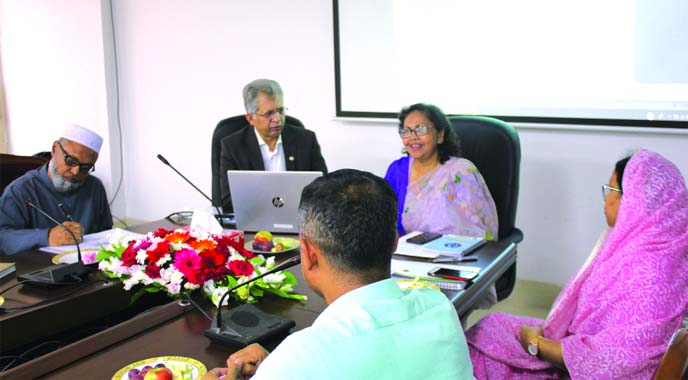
x=73, y=162
x=606, y=189
x=269, y=114
x=420, y=131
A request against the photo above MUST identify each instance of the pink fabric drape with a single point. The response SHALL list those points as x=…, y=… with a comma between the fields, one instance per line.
x=614, y=318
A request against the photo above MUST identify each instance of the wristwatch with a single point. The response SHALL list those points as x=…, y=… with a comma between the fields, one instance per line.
x=533, y=346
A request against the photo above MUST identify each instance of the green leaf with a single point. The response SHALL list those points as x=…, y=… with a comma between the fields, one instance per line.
x=290, y=279
x=283, y=294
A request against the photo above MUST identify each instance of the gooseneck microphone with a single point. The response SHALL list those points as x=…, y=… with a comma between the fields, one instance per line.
x=76, y=241
x=247, y=324
x=60, y=274
x=164, y=161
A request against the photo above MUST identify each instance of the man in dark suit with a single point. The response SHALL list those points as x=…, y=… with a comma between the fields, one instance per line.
x=266, y=143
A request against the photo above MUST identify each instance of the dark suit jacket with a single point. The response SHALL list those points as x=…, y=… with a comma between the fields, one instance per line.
x=240, y=151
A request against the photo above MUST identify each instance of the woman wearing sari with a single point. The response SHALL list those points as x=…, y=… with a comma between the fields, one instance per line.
x=437, y=191
x=614, y=319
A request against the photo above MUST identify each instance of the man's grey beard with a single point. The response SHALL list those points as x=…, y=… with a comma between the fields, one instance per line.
x=61, y=184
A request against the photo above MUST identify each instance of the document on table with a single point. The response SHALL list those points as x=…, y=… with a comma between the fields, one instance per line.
x=91, y=242
x=411, y=268
x=448, y=245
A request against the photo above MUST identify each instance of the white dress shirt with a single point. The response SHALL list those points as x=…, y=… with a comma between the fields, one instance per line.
x=272, y=160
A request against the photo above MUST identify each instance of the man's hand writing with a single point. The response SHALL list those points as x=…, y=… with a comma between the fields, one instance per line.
x=58, y=235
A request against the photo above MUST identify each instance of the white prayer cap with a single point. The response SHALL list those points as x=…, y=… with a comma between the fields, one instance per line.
x=83, y=136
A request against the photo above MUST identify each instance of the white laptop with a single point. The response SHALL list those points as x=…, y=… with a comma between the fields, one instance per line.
x=267, y=200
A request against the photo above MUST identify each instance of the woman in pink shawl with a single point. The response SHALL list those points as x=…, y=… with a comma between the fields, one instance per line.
x=614, y=319
x=437, y=190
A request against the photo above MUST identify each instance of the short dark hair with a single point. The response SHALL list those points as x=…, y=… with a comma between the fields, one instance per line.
x=351, y=216
x=451, y=146
x=619, y=170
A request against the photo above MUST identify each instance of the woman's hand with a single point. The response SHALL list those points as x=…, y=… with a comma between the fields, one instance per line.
x=529, y=334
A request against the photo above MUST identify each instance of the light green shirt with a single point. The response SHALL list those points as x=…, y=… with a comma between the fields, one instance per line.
x=376, y=332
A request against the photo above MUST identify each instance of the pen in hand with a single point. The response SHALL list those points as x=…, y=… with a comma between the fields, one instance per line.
x=64, y=211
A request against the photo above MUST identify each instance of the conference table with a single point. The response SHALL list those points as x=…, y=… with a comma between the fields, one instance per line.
x=157, y=326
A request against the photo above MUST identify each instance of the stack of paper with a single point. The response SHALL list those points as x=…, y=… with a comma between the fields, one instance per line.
x=91, y=243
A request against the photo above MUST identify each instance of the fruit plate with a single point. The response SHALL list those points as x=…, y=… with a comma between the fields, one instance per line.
x=88, y=255
x=290, y=242
x=197, y=368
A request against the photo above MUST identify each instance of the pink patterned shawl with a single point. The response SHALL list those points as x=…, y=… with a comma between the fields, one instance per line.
x=452, y=199
x=614, y=319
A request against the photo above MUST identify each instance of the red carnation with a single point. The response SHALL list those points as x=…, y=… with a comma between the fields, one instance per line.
x=153, y=271
x=241, y=267
x=129, y=255
x=161, y=232
x=162, y=249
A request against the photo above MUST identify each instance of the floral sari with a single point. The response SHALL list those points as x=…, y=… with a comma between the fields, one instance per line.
x=615, y=317
x=452, y=199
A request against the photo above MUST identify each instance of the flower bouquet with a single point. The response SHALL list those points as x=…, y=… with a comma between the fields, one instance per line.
x=180, y=261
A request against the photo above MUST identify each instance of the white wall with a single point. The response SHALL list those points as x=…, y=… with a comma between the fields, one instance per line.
x=182, y=66
x=54, y=73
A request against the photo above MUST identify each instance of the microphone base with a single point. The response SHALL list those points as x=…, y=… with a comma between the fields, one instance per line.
x=56, y=275
x=246, y=324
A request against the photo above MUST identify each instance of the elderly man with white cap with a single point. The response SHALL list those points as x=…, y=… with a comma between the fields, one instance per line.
x=64, y=189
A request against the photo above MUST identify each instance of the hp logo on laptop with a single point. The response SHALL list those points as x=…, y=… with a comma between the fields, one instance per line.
x=278, y=202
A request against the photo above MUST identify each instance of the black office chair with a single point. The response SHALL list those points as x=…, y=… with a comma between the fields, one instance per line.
x=13, y=167
x=225, y=128
x=494, y=147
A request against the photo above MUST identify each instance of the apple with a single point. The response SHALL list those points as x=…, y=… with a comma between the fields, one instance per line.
x=263, y=241
x=263, y=236
x=159, y=373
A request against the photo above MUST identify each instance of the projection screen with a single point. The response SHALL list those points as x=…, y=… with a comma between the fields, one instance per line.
x=609, y=62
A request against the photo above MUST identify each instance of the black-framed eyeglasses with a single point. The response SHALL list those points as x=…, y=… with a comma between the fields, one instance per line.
x=270, y=114
x=73, y=162
x=420, y=131
x=606, y=189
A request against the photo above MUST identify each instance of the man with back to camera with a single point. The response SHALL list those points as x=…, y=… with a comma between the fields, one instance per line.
x=266, y=143
x=371, y=328
x=64, y=189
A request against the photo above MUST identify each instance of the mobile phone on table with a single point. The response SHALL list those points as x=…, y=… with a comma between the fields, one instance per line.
x=453, y=274
x=423, y=238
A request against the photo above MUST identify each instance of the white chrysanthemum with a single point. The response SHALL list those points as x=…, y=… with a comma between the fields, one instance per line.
x=274, y=278
x=142, y=277
x=129, y=283
x=176, y=246
x=173, y=288
x=209, y=287
x=217, y=294
x=270, y=262
x=141, y=256
x=190, y=286
x=164, y=260
x=171, y=275
x=234, y=255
